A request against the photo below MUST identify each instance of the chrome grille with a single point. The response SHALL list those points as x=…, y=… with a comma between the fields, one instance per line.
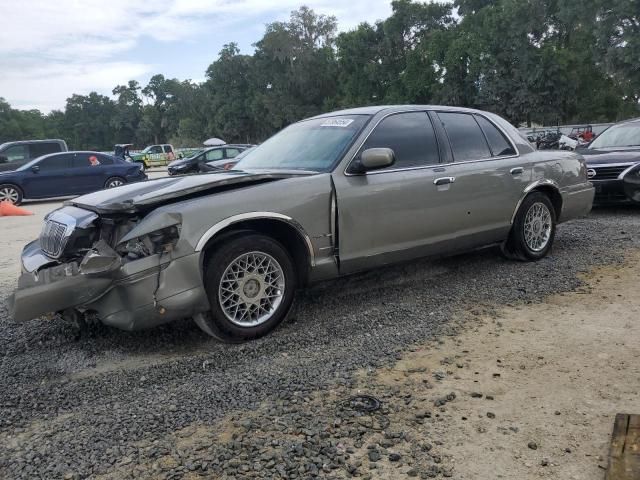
x=53, y=238
x=608, y=172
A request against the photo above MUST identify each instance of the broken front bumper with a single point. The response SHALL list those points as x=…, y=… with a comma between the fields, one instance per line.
x=131, y=296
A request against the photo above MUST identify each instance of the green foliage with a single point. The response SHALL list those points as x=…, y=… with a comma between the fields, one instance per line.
x=543, y=61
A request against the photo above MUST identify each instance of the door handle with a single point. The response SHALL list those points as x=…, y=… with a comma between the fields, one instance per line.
x=444, y=180
x=517, y=171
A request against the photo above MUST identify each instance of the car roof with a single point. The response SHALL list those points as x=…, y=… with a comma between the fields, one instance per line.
x=55, y=154
x=373, y=110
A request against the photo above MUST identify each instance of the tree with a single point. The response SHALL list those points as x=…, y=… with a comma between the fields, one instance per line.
x=127, y=112
x=539, y=61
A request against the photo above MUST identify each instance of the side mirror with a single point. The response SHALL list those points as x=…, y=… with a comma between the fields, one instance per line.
x=35, y=168
x=376, y=158
x=3, y=159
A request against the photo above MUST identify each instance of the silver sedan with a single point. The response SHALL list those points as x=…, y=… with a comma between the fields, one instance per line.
x=328, y=196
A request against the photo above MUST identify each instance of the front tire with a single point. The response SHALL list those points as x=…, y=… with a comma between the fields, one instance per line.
x=533, y=230
x=10, y=193
x=250, y=282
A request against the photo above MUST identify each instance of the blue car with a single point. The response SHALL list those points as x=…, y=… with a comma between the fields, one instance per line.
x=67, y=174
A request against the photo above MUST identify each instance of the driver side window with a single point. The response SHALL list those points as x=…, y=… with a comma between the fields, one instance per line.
x=57, y=162
x=411, y=137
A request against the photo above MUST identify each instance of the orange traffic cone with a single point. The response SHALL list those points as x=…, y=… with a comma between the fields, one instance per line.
x=8, y=209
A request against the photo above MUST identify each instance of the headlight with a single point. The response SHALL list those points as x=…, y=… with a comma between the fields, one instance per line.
x=158, y=242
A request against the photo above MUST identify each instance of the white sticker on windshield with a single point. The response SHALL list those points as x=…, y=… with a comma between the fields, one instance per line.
x=337, y=122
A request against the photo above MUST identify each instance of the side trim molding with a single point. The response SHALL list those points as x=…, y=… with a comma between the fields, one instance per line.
x=212, y=231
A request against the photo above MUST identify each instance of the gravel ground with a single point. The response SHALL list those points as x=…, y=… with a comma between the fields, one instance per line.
x=113, y=404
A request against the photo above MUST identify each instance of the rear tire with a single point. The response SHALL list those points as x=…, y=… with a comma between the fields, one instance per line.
x=113, y=182
x=533, y=231
x=11, y=193
x=251, y=283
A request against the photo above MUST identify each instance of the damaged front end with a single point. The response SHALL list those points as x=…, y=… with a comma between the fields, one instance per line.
x=129, y=273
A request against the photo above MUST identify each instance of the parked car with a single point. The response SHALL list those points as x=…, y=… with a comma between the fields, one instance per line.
x=222, y=154
x=66, y=174
x=613, y=162
x=155, y=155
x=226, y=164
x=328, y=196
x=16, y=154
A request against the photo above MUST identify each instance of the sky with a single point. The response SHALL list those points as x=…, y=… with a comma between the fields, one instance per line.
x=50, y=49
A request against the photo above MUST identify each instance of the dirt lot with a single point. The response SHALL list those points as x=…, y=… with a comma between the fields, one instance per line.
x=485, y=369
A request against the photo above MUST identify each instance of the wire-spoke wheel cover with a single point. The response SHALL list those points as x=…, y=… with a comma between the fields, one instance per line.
x=537, y=227
x=251, y=289
x=9, y=194
x=116, y=182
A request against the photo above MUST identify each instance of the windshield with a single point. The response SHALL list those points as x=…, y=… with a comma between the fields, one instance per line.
x=623, y=135
x=308, y=145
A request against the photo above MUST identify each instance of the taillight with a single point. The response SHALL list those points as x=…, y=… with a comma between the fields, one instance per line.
x=228, y=166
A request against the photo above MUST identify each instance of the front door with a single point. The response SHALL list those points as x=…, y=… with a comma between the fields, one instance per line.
x=395, y=213
x=87, y=172
x=49, y=177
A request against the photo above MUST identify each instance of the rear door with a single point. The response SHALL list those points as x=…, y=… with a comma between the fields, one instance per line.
x=50, y=178
x=487, y=178
x=393, y=214
x=88, y=172
x=168, y=150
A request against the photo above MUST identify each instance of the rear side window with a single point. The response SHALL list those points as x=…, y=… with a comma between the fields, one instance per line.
x=214, y=155
x=17, y=153
x=466, y=138
x=497, y=141
x=89, y=160
x=56, y=162
x=410, y=136
x=107, y=160
x=44, y=148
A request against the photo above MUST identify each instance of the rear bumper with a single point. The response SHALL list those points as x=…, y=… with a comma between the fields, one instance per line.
x=137, y=177
x=577, y=201
x=139, y=294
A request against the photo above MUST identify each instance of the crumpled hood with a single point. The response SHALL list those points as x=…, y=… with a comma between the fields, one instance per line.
x=143, y=196
x=595, y=157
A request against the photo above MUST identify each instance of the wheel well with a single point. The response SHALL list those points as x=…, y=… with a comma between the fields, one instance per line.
x=290, y=238
x=554, y=196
